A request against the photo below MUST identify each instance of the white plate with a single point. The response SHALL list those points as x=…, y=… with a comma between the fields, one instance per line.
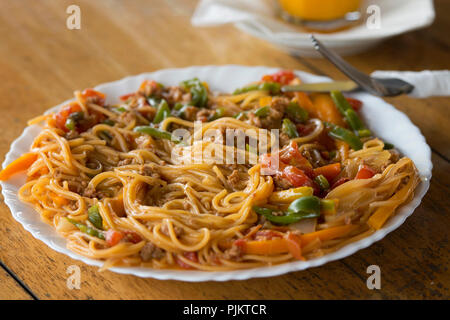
x=387, y=122
x=260, y=19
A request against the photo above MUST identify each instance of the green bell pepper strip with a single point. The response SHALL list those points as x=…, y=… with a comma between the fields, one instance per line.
x=77, y=116
x=341, y=103
x=162, y=112
x=322, y=182
x=344, y=135
x=289, y=128
x=157, y=133
x=388, y=146
x=272, y=87
x=219, y=113
x=350, y=115
x=332, y=154
x=250, y=149
x=307, y=204
x=70, y=124
x=284, y=219
x=178, y=106
x=262, y=112
x=328, y=206
x=364, y=133
x=95, y=217
x=105, y=135
x=296, y=112
x=240, y=115
x=154, y=102
x=73, y=118
x=119, y=109
x=109, y=122
x=303, y=208
x=353, y=120
x=199, y=94
x=88, y=230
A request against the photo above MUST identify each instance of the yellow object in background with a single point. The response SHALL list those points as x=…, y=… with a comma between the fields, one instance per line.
x=319, y=10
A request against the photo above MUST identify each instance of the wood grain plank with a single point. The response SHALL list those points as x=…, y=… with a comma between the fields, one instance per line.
x=10, y=289
x=41, y=63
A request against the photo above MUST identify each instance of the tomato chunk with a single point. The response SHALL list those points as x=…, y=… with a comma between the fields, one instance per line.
x=294, y=246
x=113, y=237
x=365, y=172
x=297, y=177
x=132, y=237
x=282, y=77
x=339, y=182
x=127, y=96
x=61, y=116
x=355, y=103
x=94, y=96
x=190, y=256
x=292, y=156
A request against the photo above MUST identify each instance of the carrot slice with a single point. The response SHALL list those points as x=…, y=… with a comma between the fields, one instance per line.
x=20, y=164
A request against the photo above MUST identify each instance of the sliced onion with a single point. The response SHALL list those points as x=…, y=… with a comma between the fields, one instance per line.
x=304, y=226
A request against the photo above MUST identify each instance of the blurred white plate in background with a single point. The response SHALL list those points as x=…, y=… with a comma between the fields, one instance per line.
x=260, y=19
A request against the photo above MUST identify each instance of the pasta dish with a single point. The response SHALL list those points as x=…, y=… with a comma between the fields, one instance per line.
x=183, y=177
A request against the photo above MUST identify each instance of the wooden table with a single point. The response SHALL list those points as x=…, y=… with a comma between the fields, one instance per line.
x=42, y=63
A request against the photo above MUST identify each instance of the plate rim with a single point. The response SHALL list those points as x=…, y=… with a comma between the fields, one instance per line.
x=404, y=212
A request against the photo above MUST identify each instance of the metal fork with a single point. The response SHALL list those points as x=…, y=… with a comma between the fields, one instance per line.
x=387, y=87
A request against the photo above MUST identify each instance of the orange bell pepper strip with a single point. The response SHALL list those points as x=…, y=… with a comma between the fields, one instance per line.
x=380, y=216
x=326, y=109
x=327, y=234
x=329, y=171
x=291, y=243
x=20, y=164
x=305, y=102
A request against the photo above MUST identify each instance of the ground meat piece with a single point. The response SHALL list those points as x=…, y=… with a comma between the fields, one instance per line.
x=234, y=180
x=143, y=142
x=178, y=231
x=253, y=120
x=150, y=251
x=281, y=183
x=284, y=139
x=190, y=113
x=150, y=170
x=150, y=89
x=93, y=193
x=234, y=253
x=277, y=107
x=395, y=155
x=72, y=134
x=173, y=94
x=204, y=114
x=125, y=162
x=126, y=117
x=187, y=97
x=314, y=157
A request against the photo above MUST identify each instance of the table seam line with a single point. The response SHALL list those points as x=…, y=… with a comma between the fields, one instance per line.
x=19, y=281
